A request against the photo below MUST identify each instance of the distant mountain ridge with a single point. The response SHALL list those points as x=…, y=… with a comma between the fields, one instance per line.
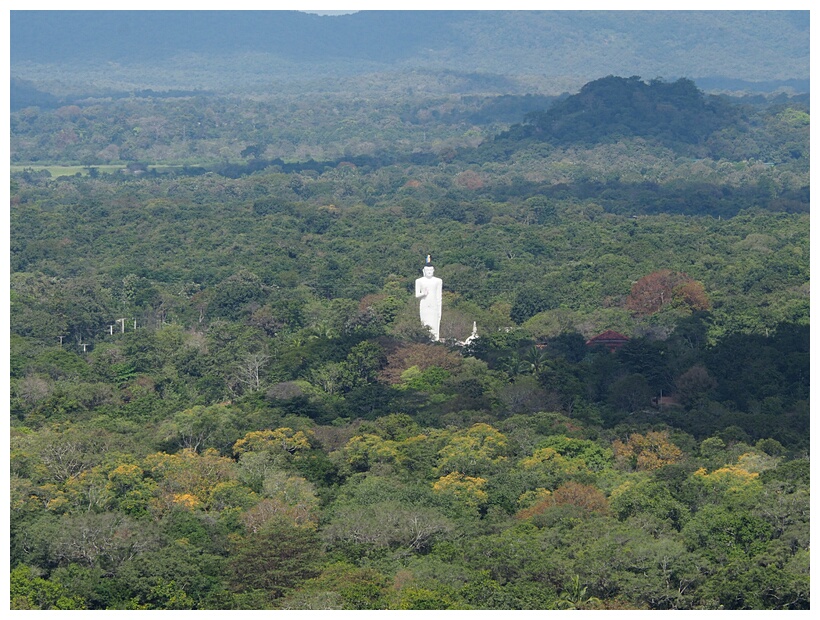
x=751, y=46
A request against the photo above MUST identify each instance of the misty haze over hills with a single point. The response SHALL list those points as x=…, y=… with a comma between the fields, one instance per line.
x=510, y=50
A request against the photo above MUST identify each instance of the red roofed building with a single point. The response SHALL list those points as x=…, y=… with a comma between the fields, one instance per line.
x=609, y=339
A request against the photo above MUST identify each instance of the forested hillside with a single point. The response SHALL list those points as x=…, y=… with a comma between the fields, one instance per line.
x=222, y=397
x=266, y=51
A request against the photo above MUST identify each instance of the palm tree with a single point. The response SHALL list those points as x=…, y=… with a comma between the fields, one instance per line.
x=513, y=366
x=535, y=359
x=575, y=596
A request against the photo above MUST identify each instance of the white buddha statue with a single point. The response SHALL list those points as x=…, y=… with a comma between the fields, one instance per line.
x=428, y=292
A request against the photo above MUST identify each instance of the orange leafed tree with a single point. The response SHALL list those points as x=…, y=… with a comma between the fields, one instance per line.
x=663, y=287
x=421, y=355
x=646, y=452
x=469, y=179
x=693, y=294
x=584, y=496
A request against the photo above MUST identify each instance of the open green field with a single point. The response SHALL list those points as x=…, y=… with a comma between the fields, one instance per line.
x=70, y=171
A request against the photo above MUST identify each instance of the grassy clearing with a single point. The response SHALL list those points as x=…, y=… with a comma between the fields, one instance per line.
x=70, y=171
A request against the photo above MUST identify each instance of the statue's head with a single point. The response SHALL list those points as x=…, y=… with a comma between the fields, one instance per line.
x=428, y=268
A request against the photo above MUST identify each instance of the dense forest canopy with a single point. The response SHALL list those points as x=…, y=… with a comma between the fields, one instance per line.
x=221, y=396
x=616, y=107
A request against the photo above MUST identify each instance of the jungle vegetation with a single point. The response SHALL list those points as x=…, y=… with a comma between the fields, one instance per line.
x=221, y=396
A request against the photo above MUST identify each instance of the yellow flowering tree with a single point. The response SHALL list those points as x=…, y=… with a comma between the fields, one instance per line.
x=468, y=490
x=364, y=451
x=187, y=479
x=475, y=450
x=282, y=444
